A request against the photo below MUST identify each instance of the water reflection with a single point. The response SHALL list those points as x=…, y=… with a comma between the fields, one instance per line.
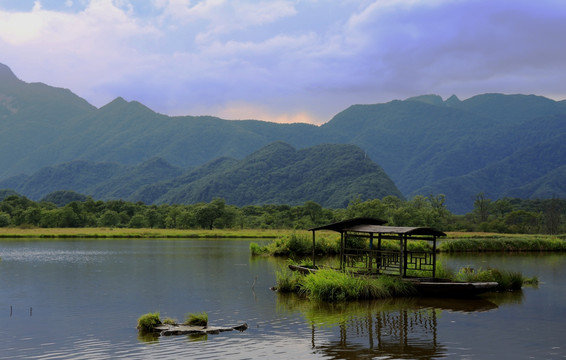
x=392, y=328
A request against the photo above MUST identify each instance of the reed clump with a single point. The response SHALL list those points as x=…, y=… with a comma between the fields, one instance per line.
x=335, y=286
x=196, y=319
x=287, y=281
x=148, y=322
x=506, y=280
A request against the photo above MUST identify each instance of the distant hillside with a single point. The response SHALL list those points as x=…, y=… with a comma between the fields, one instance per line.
x=100, y=180
x=331, y=175
x=488, y=143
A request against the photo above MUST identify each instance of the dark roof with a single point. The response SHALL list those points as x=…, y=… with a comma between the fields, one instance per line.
x=404, y=230
x=375, y=226
x=342, y=225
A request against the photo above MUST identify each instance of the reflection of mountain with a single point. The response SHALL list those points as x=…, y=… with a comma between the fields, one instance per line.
x=398, y=328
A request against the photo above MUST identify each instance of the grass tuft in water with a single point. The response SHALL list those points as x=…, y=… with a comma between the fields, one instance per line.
x=148, y=322
x=196, y=319
x=170, y=321
x=506, y=280
x=287, y=280
x=335, y=286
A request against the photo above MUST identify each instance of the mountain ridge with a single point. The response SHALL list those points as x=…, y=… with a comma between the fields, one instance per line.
x=423, y=143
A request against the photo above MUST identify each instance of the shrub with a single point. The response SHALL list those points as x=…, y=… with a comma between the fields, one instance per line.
x=256, y=250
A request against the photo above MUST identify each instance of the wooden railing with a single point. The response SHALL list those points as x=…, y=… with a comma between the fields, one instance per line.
x=417, y=263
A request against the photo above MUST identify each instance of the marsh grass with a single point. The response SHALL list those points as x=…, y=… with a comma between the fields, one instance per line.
x=503, y=244
x=196, y=319
x=506, y=280
x=170, y=321
x=287, y=280
x=336, y=286
x=148, y=322
x=299, y=244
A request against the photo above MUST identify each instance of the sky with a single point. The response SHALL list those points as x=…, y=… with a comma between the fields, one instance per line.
x=285, y=60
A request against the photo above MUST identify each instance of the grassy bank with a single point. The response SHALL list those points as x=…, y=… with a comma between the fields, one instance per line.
x=503, y=244
x=299, y=244
x=136, y=233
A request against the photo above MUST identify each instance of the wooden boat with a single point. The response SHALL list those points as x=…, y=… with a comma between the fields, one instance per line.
x=447, y=288
x=302, y=269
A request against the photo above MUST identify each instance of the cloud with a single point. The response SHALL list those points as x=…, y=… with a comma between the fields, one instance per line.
x=285, y=60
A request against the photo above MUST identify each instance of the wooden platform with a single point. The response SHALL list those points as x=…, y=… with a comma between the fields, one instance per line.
x=167, y=330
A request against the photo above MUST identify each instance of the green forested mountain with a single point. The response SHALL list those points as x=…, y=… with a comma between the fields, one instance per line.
x=100, y=180
x=330, y=175
x=491, y=143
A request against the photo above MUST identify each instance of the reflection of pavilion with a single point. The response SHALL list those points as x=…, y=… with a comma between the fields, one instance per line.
x=403, y=333
x=393, y=328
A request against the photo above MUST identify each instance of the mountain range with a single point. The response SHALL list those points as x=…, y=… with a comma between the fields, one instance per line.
x=501, y=145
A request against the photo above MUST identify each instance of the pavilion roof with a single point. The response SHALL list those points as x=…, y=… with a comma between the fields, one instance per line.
x=375, y=226
x=341, y=225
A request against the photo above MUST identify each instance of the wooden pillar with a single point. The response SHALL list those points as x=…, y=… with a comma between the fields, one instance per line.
x=401, y=255
x=434, y=257
x=379, y=254
x=342, y=244
x=370, y=252
x=405, y=255
x=313, y=249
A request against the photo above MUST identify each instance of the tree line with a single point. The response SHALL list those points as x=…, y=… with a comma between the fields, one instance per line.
x=503, y=215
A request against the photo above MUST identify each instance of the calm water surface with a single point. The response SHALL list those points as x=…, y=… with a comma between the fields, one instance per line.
x=80, y=299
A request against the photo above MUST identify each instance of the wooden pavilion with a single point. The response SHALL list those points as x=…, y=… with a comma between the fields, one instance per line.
x=377, y=258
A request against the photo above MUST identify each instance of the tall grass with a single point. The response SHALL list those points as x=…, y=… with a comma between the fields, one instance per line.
x=148, y=322
x=502, y=244
x=298, y=244
x=287, y=280
x=196, y=319
x=335, y=286
x=506, y=280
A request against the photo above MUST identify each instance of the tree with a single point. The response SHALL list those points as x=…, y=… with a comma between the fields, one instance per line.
x=313, y=210
x=552, y=216
x=138, y=221
x=482, y=206
x=206, y=214
x=4, y=219
x=110, y=218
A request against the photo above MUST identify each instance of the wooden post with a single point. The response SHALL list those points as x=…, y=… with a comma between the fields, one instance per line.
x=434, y=257
x=313, y=249
x=405, y=255
x=342, y=244
x=401, y=255
x=370, y=252
x=378, y=260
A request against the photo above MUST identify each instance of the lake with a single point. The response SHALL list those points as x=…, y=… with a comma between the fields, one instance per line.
x=81, y=298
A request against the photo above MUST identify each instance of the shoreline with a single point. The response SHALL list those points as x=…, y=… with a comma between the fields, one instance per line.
x=125, y=233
